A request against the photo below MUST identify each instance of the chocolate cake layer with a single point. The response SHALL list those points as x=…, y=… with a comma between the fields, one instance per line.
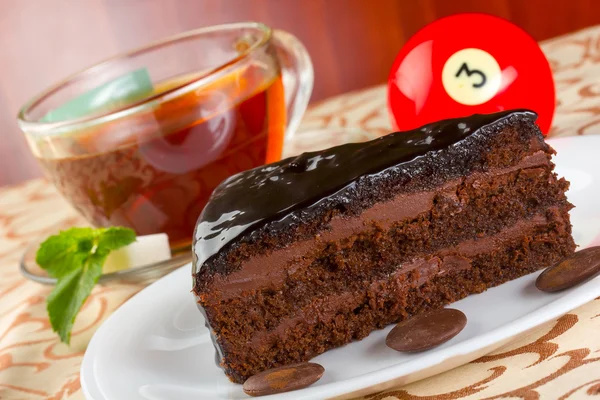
x=309, y=253
x=418, y=271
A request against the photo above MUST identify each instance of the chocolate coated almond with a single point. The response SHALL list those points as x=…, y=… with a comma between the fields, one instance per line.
x=573, y=270
x=423, y=332
x=283, y=379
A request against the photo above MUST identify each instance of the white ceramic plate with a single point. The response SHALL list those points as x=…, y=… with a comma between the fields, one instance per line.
x=156, y=347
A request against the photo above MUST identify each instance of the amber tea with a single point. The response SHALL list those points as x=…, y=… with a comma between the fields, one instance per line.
x=159, y=177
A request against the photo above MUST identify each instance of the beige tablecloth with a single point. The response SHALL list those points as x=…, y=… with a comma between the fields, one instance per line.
x=560, y=359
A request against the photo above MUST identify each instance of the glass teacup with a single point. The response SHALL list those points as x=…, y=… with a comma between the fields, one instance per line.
x=141, y=140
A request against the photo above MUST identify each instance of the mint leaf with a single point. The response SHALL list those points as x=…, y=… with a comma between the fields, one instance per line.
x=125, y=89
x=115, y=238
x=70, y=293
x=75, y=258
x=60, y=253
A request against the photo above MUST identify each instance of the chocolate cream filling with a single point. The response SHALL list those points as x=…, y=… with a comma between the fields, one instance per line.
x=272, y=268
x=445, y=261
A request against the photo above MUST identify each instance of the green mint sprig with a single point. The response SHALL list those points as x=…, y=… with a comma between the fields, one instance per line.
x=75, y=258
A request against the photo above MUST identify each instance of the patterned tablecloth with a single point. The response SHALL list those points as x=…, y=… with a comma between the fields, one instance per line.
x=560, y=359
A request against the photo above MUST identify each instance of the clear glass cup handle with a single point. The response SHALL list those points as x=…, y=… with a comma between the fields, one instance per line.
x=297, y=76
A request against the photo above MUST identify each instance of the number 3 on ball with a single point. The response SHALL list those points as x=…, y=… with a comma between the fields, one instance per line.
x=471, y=76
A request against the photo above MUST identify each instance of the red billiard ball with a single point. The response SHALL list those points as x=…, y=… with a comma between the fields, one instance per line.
x=469, y=64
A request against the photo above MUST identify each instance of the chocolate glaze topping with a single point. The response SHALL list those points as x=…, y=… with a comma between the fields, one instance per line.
x=273, y=191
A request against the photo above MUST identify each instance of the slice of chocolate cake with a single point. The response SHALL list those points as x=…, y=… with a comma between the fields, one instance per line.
x=312, y=252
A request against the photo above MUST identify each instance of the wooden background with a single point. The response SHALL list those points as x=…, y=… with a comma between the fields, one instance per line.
x=352, y=42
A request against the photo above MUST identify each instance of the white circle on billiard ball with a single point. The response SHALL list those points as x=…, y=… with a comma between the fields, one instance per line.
x=471, y=76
